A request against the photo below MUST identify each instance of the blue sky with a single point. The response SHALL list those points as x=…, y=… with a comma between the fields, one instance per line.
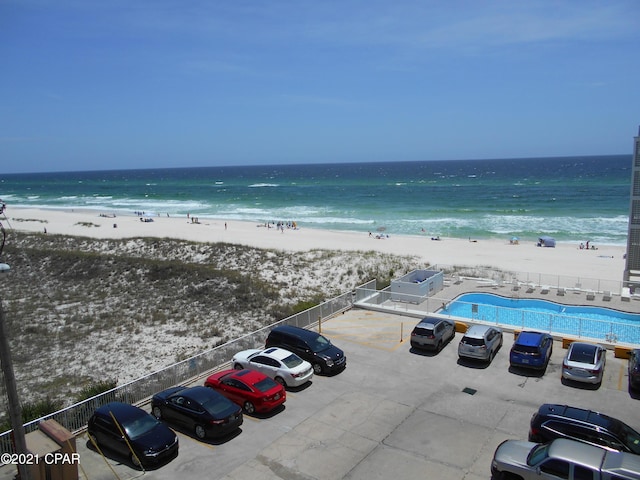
x=92, y=85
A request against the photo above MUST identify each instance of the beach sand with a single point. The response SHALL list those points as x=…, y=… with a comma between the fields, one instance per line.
x=151, y=335
x=605, y=263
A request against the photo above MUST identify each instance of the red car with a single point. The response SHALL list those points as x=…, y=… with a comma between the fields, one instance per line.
x=252, y=390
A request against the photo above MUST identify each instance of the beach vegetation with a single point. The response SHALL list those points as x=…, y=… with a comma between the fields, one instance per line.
x=34, y=410
x=122, y=308
x=96, y=388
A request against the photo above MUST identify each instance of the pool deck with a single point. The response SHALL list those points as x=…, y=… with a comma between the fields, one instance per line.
x=567, y=296
x=458, y=286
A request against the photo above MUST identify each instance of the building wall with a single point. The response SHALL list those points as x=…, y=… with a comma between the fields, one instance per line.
x=632, y=266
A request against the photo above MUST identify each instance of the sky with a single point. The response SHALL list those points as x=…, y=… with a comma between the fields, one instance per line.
x=95, y=85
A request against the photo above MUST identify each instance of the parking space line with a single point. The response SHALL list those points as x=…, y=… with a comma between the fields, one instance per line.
x=189, y=437
x=349, y=338
x=620, y=377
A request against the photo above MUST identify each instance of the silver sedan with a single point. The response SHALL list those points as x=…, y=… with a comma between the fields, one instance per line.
x=584, y=362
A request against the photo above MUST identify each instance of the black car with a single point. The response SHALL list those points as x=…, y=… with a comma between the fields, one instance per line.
x=562, y=421
x=634, y=369
x=200, y=410
x=153, y=443
x=309, y=345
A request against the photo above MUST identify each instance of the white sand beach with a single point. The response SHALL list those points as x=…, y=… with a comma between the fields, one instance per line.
x=606, y=262
x=150, y=335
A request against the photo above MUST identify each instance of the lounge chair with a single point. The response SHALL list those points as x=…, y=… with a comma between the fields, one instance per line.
x=561, y=291
x=544, y=290
x=606, y=296
x=591, y=295
x=625, y=295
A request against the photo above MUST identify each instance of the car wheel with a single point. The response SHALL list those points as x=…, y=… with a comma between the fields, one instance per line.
x=317, y=368
x=157, y=412
x=201, y=433
x=281, y=381
x=237, y=366
x=135, y=461
x=93, y=441
x=439, y=346
x=249, y=407
x=491, y=355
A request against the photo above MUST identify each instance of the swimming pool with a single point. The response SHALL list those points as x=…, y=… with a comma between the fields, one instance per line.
x=599, y=323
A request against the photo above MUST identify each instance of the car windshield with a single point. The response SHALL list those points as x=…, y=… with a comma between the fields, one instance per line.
x=537, y=454
x=527, y=349
x=630, y=438
x=292, y=361
x=423, y=331
x=139, y=426
x=265, y=385
x=583, y=354
x=320, y=344
x=475, y=342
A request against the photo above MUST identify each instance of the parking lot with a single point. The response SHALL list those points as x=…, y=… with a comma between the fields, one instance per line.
x=392, y=413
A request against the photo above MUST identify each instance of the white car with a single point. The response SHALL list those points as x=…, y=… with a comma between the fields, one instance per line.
x=283, y=366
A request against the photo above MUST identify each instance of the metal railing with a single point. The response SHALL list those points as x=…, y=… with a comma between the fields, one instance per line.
x=560, y=323
x=75, y=417
x=532, y=278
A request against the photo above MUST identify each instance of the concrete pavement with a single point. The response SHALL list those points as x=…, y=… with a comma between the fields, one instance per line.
x=393, y=413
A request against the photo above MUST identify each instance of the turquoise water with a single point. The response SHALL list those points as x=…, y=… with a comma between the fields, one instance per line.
x=573, y=199
x=599, y=323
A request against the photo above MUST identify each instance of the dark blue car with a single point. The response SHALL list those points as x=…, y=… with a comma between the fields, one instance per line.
x=131, y=432
x=531, y=350
x=198, y=409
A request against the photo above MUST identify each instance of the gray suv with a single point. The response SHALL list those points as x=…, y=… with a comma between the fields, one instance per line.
x=432, y=333
x=562, y=458
x=480, y=342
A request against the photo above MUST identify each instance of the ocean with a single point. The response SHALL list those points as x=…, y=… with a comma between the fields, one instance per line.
x=573, y=199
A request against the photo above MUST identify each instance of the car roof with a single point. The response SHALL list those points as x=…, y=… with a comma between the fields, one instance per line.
x=584, y=347
x=277, y=352
x=577, y=452
x=123, y=411
x=430, y=321
x=529, y=338
x=297, y=331
x=588, y=416
x=199, y=393
x=477, y=331
x=248, y=376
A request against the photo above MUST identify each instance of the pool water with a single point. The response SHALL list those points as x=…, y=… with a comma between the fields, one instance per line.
x=597, y=323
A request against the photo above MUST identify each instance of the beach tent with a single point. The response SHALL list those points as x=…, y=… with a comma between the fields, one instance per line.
x=546, y=241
